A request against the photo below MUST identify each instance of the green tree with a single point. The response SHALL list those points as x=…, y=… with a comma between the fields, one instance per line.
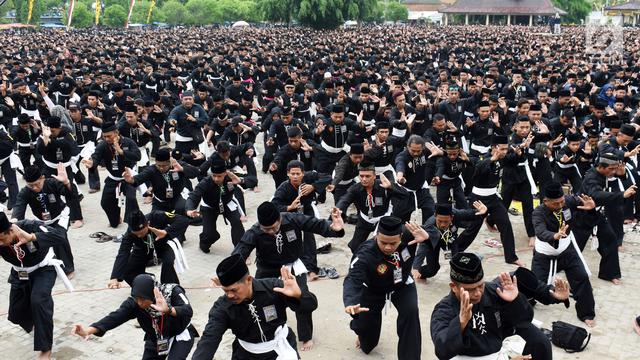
x=321, y=14
x=82, y=16
x=577, y=10
x=234, y=10
x=203, y=12
x=114, y=15
x=279, y=10
x=396, y=12
x=140, y=12
x=173, y=12
x=22, y=11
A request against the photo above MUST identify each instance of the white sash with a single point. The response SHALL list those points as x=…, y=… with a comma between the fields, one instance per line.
x=279, y=344
x=545, y=248
x=49, y=260
x=180, y=262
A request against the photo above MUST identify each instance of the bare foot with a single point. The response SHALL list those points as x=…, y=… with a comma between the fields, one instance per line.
x=636, y=327
x=491, y=228
x=248, y=260
x=590, y=323
x=532, y=242
x=307, y=345
x=147, y=200
x=616, y=281
x=256, y=189
x=620, y=248
x=357, y=343
x=519, y=263
x=44, y=355
x=628, y=221
x=71, y=275
x=244, y=218
x=311, y=276
x=77, y=224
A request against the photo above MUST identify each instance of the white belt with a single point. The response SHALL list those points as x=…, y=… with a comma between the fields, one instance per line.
x=183, y=138
x=33, y=113
x=232, y=205
x=21, y=144
x=49, y=260
x=62, y=218
x=279, y=344
x=87, y=150
x=484, y=191
x=481, y=149
x=331, y=149
x=74, y=168
x=114, y=177
x=180, y=262
x=14, y=160
x=144, y=157
x=527, y=170
x=546, y=249
x=297, y=267
x=345, y=182
x=465, y=144
x=398, y=132
x=374, y=220
x=382, y=169
x=446, y=177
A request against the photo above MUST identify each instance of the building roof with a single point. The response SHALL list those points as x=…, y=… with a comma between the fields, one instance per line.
x=631, y=5
x=424, y=7
x=503, y=7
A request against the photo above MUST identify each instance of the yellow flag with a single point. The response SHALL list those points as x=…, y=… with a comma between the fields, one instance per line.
x=151, y=8
x=97, y=11
x=30, y=11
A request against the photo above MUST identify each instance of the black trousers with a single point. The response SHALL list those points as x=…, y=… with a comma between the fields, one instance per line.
x=573, y=175
x=537, y=344
x=64, y=253
x=326, y=161
x=31, y=305
x=339, y=192
x=367, y=325
x=109, y=200
x=432, y=255
x=25, y=154
x=267, y=157
x=9, y=176
x=74, y=204
x=94, y=176
x=279, y=176
x=179, y=350
x=138, y=261
x=186, y=146
x=521, y=191
x=609, y=267
x=239, y=353
x=210, y=234
x=304, y=319
x=450, y=191
x=570, y=263
x=361, y=234
x=310, y=256
x=499, y=216
x=403, y=208
x=177, y=205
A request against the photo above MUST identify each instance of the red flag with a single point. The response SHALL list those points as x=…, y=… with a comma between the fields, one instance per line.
x=70, y=14
x=126, y=24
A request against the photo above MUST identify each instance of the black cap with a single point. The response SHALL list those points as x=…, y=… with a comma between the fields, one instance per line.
x=294, y=131
x=593, y=133
x=527, y=282
x=108, y=126
x=187, y=93
x=176, y=154
x=444, y=209
x=32, y=173
x=553, y=190
x=163, y=154
x=268, y=214
x=356, y=149
x=466, y=268
x=366, y=164
x=142, y=287
x=116, y=87
x=499, y=139
x=24, y=119
x=563, y=93
x=535, y=107
x=390, y=225
x=218, y=166
x=576, y=136
x=628, y=129
x=483, y=103
x=231, y=270
x=137, y=221
x=54, y=122
x=237, y=120
x=337, y=109
x=129, y=106
x=4, y=222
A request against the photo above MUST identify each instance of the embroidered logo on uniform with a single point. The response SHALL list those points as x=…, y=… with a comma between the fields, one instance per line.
x=378, y=201
x=405, y=254
x=52, y=198
x=270, y=313
x=479, y=322
x=382, y=269
x=175, y=176
x=291, y=235
x=464, y=260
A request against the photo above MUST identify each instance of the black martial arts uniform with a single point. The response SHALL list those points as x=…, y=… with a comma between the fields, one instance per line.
x=135, y=253
x=26, y=140
x=216, y=200
x=285, y=248
x=48, y=206
x=332, y=140
x=418, y=174
x=547, y=223
x=254, y=320
x=371, y=207
x=188, y=132
x=117, y=192
x=450, y=189
x=516, y=183
x=427, y=259
x=375, y=278
x=167, y=187
x=83, y=132
x=343, y=177
x=30, y=301
x=157, y=326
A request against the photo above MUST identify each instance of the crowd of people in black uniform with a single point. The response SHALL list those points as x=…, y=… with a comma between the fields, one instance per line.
x=452, y=122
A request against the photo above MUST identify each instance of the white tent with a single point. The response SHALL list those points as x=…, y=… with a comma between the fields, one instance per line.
x=240, y=24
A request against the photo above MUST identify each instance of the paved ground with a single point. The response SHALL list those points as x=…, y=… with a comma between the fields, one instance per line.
x=613, y=338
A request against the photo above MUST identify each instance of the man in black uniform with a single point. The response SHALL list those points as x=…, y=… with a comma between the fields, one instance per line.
x=188, y=119
x=346, y=172
x=299, y=194
x=216, y=192
x=44, y=197
x=333, y=134
x=115, y=153
x=155, y=238
x=84, y=135
x=168, y=179
x=26, y=137
x=487, y=175
x=449, y=174
x=380, y=271
x=277, y=239
x=296, y=149
x=256, y=312
x=471, y=320
x=57, y=145
x=164, y=314
x=27, y=246
x=556, y=248
x=8, y=167
x=373, y=200
x=442, y=229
